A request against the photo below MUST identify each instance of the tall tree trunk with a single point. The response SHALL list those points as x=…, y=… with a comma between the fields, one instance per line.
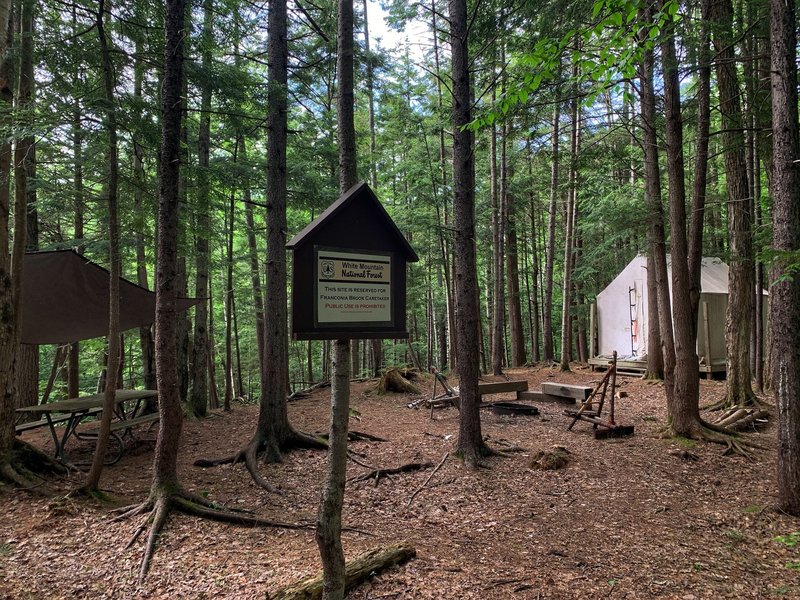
x=73, y=366
x=114, y=346
x=570, y=214
x=229, y=387
x=695, y=242
x=252, y=252
x=198, y=394
x=145, y=333
x=329, y=520
x=184, y=323
x=740, y=240
x=165, y=461
x=550, y=249
x=534, y=292
x=25, y=186
x=470, y=440
x=10, y=270
x=785, y=292
x=683, y=405
x=442, y=216
x=657, y=266
x=764, y=143
x=497, y=336
x=516, y=333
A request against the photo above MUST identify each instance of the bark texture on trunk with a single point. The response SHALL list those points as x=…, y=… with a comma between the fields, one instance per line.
x=785, y=295
x=685, y=395
x=516, y=332
x=329, y=519
x=10, y=266
x=273, y=420
x=470, y=440
x=738, y=318
x=655, y=226
x=550, y=249
x=569, y=241
x=27, y=374
x=112, y=164
x=165, y=471
x=198, y=393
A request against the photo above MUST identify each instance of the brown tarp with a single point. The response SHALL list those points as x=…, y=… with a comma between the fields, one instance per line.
x=65, y=299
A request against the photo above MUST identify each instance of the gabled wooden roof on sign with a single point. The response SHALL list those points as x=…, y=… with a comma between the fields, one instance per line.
x=358, y=197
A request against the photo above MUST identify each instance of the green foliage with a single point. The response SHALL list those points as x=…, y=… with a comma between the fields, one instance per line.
x=790, y=540
x=735, y=535
x=786, y=261
x=601, y=53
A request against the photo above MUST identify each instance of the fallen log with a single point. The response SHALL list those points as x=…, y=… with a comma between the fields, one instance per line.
x=357, y=570
x=738, y=419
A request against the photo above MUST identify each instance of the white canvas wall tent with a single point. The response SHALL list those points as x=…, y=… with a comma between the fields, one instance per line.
x=622, y=318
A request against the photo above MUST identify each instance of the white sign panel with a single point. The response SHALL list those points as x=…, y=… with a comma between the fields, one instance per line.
x=353, y=288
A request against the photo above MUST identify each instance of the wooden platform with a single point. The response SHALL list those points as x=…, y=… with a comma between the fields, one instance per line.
x=564, y=390
x=637, y=368
x=539, y=396
x=500, y=387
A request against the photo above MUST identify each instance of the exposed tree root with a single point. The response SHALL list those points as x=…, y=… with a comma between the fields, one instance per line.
x=475, y=459
x=258, y=446
x=18, y=478
x=34, y=460
x=158, y=507
x=427, y=481
x=94, y=494
x=352, y=456
x=651, y=377
x=506, y=447
x=379, y=474
x=354, y=436
x=250, y=461
x=26, y=468
x=710, y=432
x=304, y=393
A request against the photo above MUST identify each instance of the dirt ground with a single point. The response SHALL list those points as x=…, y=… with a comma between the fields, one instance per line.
x=624, y=519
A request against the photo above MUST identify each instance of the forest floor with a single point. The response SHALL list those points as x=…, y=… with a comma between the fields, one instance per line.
x=624, y=519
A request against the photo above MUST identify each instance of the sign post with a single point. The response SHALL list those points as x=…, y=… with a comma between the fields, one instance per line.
x=349, y=272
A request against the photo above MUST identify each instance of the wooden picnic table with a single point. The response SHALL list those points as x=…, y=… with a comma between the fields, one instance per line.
x=126, y=411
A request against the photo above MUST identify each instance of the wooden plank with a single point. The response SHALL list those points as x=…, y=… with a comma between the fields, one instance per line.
x=120, y=424
x=41, y=423
x=579, y=392
x=538, y=396
x=499, y=387
x=56, y=420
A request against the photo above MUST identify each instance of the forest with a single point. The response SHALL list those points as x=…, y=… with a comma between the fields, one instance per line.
x=527, y=153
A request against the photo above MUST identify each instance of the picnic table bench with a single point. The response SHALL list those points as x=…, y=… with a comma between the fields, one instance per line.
x=452, y=398
x=71, y=412
x=31, y=425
